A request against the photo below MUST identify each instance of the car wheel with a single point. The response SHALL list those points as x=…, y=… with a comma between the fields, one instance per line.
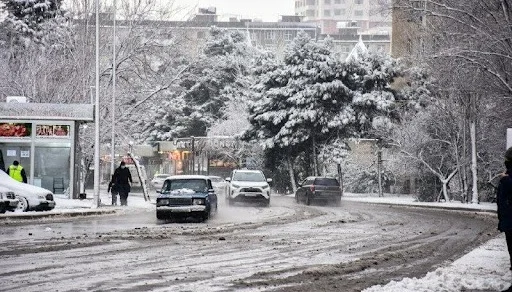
x=2, y=209
x=206, y=216
x=23, y=205
x=230, y=201
x=267, y=203
x=308, y=200
x=160, y=215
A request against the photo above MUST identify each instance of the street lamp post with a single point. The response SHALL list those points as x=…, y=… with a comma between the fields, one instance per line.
x=97, y=113
x=113, y=106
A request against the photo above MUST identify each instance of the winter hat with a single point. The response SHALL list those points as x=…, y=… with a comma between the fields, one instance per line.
x=15, y=163
x=123, y=163
x=508, y=154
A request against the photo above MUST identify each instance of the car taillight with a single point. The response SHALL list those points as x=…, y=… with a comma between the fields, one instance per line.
x=312, y=188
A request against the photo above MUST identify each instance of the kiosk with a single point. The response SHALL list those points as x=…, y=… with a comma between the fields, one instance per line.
x=43, y=137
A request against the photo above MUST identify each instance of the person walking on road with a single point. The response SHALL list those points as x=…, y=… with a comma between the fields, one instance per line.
x=123, y=178
x=113, y=190
x=504, y=201
x=17, y=172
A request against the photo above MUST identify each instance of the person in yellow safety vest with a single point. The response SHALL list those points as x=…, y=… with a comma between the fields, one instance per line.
x=17, y=172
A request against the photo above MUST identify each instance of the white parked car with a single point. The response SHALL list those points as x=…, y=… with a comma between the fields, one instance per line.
x=30, y=197
x=248, y=186
x=158, y=180
x=8, y=200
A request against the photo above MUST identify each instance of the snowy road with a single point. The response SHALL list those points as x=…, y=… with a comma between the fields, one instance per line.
x=286, y=247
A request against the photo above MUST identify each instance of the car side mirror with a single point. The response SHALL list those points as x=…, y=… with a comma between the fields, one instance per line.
x=211, y=190
x=228, y=179
x=269, y=180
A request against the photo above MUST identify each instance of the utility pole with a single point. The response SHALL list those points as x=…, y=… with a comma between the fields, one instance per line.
x=193, y=156
x=97, y=112
x=379, y=170
x=113, y=106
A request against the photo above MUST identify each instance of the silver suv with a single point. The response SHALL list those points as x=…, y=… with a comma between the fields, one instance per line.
x=248, y=186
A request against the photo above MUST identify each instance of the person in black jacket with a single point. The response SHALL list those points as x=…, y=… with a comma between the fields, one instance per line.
x=113, y=190
x=123, y=178
x=504, y=201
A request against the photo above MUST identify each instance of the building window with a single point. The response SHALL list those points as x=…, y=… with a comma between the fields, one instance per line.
x=359, y=2
x=310, y=13
x=339, y=1
x=327, y=13
x=311, y=2
x=339, y=12
x=328, y=2
x=288, y=35
x=270, y=35
x=358, y=13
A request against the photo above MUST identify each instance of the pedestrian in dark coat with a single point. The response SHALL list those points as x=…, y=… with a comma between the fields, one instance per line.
x=123, y=178
x=113, y=189
x=504, y=200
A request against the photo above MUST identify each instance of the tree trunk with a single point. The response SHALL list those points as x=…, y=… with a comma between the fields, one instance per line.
x=315, y=161
x=289, y=164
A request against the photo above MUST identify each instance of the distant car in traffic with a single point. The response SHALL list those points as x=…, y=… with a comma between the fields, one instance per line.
x=248, y=186
x=30, y=197
x=8, y=200
x=319, y=189
x=185, y=196
x=219, y=184
x=158, y=180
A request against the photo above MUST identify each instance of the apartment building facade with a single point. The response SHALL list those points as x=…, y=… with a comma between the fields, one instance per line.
x=370, y=16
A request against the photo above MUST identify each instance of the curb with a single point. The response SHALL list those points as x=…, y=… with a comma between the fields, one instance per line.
x=431, y=207
x=28, y=216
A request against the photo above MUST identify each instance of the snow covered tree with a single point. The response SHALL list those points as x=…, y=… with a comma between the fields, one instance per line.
x=312, y=98
x=27, y=21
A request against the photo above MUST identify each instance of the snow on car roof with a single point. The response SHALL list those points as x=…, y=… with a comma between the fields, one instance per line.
x=248, y=170
x=188, y=177
x=17, y=187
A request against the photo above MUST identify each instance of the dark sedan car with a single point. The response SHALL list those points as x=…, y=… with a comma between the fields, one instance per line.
x=184, y=196
x=317, y=189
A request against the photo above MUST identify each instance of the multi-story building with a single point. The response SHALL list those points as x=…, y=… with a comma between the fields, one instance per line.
x=368, y=15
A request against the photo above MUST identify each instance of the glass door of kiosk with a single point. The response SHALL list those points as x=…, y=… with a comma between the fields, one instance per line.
x=19, y=152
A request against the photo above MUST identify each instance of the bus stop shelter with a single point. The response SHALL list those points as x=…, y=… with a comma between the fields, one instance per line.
x=44, y=138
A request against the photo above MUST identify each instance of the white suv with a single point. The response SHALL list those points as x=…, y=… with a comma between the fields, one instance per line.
x=248, y=186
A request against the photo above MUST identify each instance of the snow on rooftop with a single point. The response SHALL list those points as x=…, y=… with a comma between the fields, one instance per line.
x=46, y=111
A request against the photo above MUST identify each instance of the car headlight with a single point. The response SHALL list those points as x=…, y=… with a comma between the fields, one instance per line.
x=198, y=202
x=235, y=186
x=266, y=187
x=163, y=202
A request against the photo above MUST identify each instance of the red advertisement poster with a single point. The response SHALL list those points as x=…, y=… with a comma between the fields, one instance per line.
x=52, y=131
x=15, y=129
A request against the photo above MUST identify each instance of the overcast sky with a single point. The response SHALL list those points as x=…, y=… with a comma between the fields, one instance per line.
x=267, y=10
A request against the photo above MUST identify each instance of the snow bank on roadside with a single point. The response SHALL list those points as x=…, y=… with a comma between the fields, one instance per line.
x=485, y=268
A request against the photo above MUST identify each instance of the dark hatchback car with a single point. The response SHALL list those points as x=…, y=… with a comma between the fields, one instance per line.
x=319, y=189
x=184, y=196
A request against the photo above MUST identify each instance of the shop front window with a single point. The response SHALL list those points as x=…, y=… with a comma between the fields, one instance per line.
x=52, y=167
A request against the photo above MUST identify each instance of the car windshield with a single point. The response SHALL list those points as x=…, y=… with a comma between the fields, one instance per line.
x=326, y=182
x=248, y=176
x=198, y=185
